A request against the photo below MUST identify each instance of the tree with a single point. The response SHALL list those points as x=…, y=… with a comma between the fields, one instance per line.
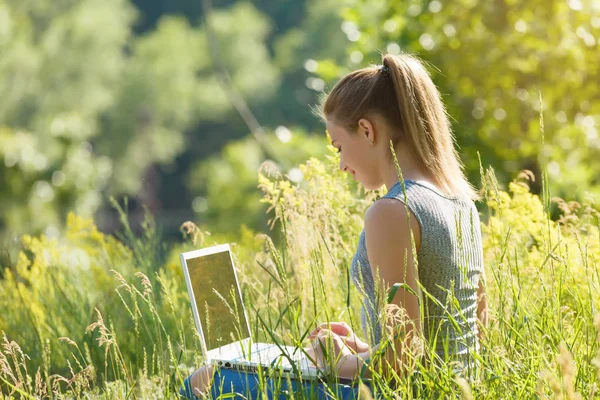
x=227, y=184
x=492, y=61
x=88, y=114
x=57, y=75
x=224, y=186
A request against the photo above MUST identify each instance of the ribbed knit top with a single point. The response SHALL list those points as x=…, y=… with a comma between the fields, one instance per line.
x=450, y=259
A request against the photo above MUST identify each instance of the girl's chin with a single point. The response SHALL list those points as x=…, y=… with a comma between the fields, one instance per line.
x=369, y=185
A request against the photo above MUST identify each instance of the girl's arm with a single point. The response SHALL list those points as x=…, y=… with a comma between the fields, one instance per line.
x=391, y=232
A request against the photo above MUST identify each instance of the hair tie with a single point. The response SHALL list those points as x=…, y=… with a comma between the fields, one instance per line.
x=383, y=69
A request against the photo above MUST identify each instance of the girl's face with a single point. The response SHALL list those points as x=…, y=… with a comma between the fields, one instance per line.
x=357, y=155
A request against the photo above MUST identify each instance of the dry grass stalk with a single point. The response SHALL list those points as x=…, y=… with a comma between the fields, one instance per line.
x=146, y=284
x=465, y=388
x=12, y=352
x=596, y=361
x=121, y=279
x=568, y=372
x=40, y=387
x=105, y=338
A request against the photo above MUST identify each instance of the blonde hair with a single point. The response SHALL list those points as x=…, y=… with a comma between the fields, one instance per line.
x=411, y=105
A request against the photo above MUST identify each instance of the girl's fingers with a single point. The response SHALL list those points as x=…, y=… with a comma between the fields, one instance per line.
x=310, y=352
x=326, y=335
x=314, y=333
x=341, y=328
x=201, y=380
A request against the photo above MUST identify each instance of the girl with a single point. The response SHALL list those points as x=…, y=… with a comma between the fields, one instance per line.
x=423, y=234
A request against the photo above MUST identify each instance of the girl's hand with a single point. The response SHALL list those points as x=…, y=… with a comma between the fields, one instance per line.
x=344, y=331
x=330, y=349
x=201, y=380
x=327, y=348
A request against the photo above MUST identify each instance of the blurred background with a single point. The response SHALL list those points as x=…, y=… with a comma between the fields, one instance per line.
x=174, y=105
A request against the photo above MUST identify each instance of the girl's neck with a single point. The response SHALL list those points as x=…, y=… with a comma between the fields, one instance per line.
x=409, y=172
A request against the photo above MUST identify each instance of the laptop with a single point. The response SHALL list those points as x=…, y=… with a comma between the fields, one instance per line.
x=222, y=323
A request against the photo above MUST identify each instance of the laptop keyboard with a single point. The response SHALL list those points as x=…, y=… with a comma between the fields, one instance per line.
x=270, y=354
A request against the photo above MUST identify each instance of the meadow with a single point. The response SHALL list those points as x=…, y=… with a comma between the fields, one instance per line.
x=90, y=315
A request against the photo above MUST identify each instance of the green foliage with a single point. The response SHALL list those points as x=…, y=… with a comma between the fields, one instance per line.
x=320, y=221
x=170, y=88
x=54, y=49
x=491, y=61
x=293, y=51
x=226, y=184
x=542, y=280
x=545, y=252
x=65, y=300
x=87, y=108
x=85, y=115
x=57, y=75
x=44, y=177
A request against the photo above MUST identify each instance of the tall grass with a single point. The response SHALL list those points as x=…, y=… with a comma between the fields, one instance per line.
x=89, y=315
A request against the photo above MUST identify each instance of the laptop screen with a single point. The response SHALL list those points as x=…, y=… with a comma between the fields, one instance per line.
x=218, y=299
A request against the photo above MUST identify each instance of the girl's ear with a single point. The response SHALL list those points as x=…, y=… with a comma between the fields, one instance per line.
x=367, y=129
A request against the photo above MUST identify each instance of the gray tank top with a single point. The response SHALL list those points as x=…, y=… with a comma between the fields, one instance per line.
x=450, y=260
